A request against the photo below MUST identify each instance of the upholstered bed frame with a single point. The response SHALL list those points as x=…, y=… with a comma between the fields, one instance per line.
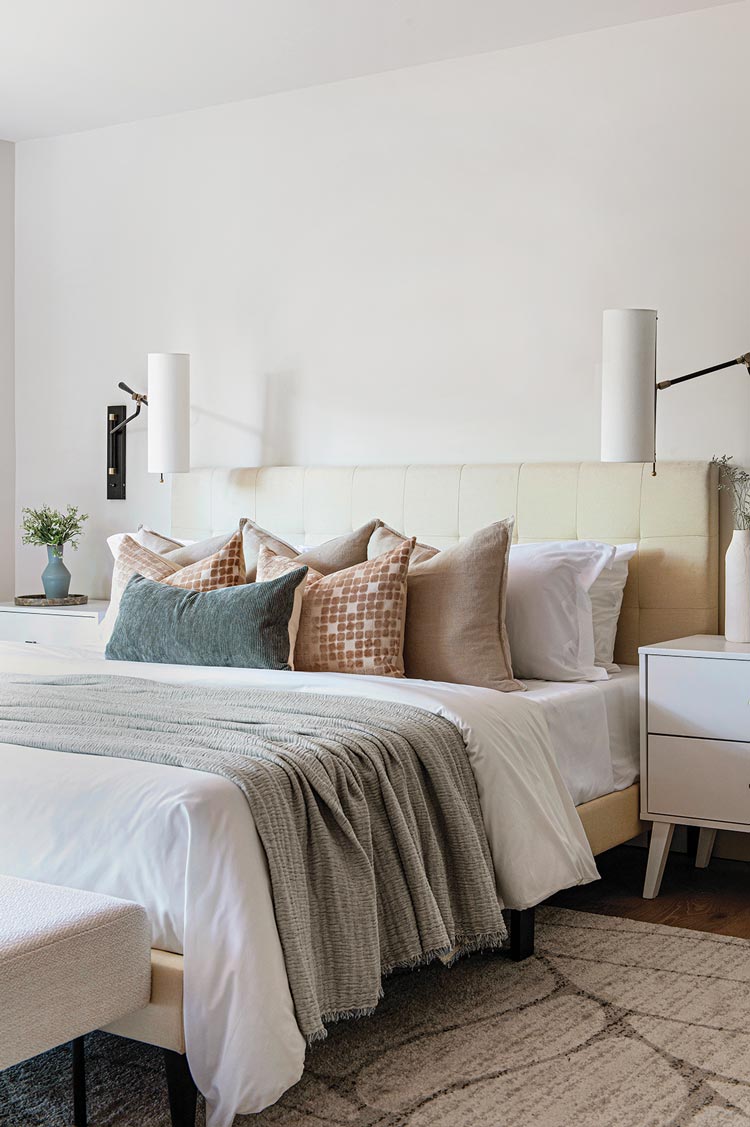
x=672, y=589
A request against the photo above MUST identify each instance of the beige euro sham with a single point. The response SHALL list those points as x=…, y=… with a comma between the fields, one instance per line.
x=455, y=612
x=334, y=555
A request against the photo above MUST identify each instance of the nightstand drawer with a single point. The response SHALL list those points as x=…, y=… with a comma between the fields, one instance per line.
x=47, y=628
x=699, y=696
x=701, y=779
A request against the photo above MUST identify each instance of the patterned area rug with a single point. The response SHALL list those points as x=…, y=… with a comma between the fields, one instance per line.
x=613, y=1023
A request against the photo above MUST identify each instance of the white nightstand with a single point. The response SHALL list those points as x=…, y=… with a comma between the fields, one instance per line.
x=52, y=626
x=695, y=743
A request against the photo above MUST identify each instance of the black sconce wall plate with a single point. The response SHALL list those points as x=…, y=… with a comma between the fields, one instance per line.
x=115, y=454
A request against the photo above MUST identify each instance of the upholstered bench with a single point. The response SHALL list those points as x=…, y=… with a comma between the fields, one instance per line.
x=70, y=962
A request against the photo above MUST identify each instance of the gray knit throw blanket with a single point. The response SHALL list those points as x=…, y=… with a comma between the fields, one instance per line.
x=367, y=810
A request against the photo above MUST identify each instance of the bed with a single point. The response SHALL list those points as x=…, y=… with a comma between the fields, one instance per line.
x=570, y=800
x=673, y=584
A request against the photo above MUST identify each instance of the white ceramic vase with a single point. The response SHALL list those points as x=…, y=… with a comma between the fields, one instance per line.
x=737, y=594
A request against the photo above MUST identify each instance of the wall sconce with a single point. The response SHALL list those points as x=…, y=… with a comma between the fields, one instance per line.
x=628, y=379
x=168, y=401
x=629, y=388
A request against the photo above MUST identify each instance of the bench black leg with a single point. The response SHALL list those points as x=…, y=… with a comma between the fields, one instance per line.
x=521, y=927
x=183, y=1094
x=79, y=1082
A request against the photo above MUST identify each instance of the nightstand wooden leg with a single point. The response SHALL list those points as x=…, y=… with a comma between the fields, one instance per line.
x=661, y=839
x=705, y=848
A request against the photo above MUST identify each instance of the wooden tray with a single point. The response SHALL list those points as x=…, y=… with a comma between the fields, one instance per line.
x=41, y=601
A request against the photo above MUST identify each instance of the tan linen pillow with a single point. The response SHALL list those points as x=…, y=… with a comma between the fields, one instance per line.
x=187, y=554
x=384, y=539
x=157, y=541
x=353, y=620
x=335, y=555
x=224, y=569
x=254, y=538
x=455, y=613
x=271, y=565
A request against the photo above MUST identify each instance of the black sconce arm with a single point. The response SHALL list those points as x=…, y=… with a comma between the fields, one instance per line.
x=116, y=433
x=704, y=371
x=664, y=384
x=140, y=400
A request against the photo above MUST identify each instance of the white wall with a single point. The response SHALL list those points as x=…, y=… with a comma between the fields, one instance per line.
x=7, y=440
x=406, y=267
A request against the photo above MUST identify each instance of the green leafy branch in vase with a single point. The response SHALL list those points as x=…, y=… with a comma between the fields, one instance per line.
x=50, y=528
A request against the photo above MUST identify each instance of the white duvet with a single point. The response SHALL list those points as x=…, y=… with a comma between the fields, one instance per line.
x=184, y=844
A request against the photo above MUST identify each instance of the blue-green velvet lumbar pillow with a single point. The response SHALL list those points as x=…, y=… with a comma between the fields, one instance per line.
x=246, y=626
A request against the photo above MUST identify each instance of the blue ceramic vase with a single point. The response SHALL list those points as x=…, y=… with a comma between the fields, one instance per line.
x=55, y=577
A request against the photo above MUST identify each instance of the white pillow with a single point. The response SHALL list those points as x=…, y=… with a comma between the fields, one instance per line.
x=114, y=541
x=606, y=600
x=548, y=612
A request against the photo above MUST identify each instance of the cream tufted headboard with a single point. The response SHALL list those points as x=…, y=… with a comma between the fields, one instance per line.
x=673, y=585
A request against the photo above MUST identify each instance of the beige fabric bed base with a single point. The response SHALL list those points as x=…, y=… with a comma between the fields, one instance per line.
x=612, y=819
x=160, y=1022
x=608, y=821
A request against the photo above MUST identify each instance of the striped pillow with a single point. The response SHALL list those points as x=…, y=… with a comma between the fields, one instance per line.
x=245, y=626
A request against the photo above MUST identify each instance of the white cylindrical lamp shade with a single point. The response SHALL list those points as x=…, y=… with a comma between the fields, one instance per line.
x=168, y=412
x=628, y=384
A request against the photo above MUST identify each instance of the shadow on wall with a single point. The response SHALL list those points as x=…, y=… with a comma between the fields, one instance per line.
x=279, y=415
x=272, y=443
x=198, y=413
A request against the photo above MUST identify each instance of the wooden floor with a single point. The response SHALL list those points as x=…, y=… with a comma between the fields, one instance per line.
x=713, y=899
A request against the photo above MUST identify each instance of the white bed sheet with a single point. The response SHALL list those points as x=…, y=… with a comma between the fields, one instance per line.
x=594, y=731
x=184, y=844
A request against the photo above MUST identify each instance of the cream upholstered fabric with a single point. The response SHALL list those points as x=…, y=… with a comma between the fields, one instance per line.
x=672, y=587
x=70, y=961
x=161, y=1021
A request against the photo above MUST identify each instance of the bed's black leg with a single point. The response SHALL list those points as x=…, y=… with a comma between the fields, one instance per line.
x=693, y=837
x=183, y=1094
x=521, y=927
x=79, y=1082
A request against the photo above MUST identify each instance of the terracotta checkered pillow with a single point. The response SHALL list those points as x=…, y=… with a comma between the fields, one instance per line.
x=353, y=620
x=225, y=568
x=272, y=564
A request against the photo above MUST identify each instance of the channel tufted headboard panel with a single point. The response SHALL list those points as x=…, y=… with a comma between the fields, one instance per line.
x=673, y=586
